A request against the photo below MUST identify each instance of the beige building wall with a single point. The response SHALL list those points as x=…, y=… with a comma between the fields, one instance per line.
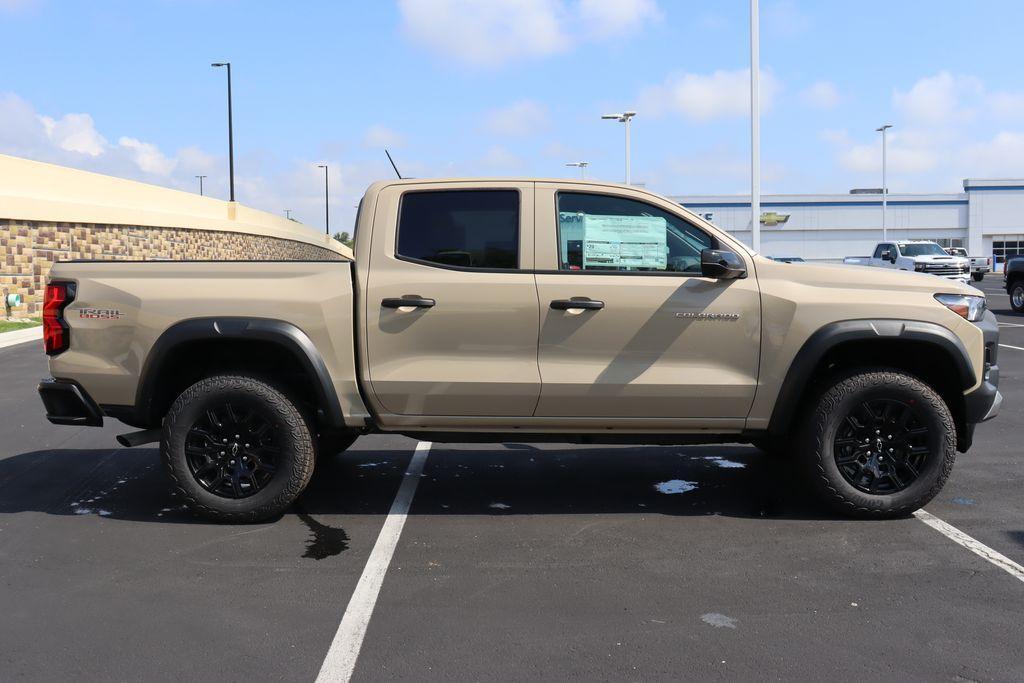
x=52, y=213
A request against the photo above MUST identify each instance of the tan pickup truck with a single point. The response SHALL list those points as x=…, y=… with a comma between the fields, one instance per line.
x=524, y=310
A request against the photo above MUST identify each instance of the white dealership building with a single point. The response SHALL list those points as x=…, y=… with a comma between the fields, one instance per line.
x=987, y=218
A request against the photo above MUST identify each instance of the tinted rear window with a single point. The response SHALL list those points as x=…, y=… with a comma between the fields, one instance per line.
x=464, y=228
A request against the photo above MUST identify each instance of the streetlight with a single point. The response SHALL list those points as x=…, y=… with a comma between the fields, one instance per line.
x=327, y=206
x=885, y=190
x=231, y=140
x=200, y=184
x=624, y=117
x=288, y=214
x=755, y=127
x=582, y=165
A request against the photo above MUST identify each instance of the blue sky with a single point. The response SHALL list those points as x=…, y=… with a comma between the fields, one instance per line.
x=513, y=87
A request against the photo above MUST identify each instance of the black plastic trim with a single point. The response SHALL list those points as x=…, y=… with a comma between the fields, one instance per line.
x=67, y=403
x=262, y=329
x=834, y=334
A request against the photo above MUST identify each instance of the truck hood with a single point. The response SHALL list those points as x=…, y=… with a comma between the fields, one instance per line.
x=846, y=276
x=938, y=259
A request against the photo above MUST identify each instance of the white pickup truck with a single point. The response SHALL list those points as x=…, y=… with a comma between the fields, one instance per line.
x=918, y=256
x=979, y=264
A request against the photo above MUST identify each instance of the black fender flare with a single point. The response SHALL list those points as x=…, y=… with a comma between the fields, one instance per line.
x=284, y=334
x=833, y=334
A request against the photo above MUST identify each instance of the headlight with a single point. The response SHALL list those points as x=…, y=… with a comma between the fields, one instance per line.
x=970, y=307
x=920, y=266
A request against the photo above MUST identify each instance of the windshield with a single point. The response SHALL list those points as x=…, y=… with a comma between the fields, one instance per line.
x=925, y=249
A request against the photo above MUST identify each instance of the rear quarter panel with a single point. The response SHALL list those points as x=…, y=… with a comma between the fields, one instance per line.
x=143, y=299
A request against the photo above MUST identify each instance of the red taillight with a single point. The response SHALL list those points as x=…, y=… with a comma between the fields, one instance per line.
x=56, y=335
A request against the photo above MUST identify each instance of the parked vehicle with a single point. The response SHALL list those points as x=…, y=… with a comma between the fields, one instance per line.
x=522, y=310
x=1013, y=280
x=919, y=256
x=979, y=264
x=787, y=259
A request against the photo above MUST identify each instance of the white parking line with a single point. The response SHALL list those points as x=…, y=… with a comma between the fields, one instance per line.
x=1007, y=346
x=341, y=657
x=972, y=544
x=1010, y=325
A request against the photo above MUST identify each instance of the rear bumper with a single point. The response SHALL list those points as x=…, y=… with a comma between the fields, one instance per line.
x=69, y=404
x=984, y=402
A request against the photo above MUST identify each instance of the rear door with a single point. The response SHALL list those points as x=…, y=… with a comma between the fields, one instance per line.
x=451, y=303
x=648, y=337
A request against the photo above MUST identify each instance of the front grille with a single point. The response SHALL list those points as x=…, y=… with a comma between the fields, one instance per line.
x=943, y=270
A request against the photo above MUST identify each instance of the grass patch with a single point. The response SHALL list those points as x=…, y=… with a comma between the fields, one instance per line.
x=10, y=326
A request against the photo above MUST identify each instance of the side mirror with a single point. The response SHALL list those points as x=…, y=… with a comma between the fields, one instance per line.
x=723, y=265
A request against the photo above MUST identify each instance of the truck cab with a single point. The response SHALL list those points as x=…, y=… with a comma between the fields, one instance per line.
x=922, y=257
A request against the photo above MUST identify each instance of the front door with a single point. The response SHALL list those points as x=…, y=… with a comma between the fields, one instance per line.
x=451, y=302
x=629, y=327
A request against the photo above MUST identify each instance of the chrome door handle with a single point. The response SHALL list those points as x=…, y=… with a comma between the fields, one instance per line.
x=408, y=300
x=566, y=304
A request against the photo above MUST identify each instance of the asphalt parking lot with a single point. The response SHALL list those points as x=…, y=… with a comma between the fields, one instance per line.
x=515, y=562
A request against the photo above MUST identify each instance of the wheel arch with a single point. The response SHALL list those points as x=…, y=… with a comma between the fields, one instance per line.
x=926, y=350
x=251, y=343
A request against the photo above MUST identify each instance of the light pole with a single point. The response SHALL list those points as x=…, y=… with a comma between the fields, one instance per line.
x=200, y=184
x=755, y=127
x=582, y=165
x=288, y=214
x=625, y=118
x=231, y=134
x=885, y=189
x=327, y=205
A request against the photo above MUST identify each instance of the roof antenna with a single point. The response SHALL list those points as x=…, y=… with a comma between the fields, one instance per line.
x=392, y=163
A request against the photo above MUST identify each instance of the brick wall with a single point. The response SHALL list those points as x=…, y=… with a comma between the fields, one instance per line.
x=29, y=248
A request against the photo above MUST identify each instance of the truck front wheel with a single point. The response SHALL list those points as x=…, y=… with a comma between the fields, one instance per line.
x=237, y=448
x=878, y=444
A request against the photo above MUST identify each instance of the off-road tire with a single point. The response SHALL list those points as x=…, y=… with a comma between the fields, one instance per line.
x=835, y=402
x=1017, y=295
x=296, y=456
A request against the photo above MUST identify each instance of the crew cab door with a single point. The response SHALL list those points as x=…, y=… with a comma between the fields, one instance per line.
x=650, y=338
x=451, y=303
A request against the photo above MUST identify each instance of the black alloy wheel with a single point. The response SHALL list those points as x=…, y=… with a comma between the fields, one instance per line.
x=232, y=450
x=882, y=446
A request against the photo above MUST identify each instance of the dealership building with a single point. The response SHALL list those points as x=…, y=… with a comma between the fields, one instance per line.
x=987, y=218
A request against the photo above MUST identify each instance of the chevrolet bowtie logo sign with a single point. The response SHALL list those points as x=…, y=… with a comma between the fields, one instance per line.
x=771, y=218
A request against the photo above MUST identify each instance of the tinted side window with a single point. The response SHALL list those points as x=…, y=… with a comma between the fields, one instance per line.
x=878, y=251
x=466, y=228
x=604, y=232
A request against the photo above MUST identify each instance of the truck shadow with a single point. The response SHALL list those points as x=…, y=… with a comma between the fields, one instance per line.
x=514, y=479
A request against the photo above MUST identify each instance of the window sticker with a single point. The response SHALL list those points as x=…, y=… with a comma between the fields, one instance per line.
x=616, y=241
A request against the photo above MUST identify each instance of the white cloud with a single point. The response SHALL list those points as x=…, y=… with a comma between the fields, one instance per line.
x=74, y=133
x=1003, y=155
x=821, y=95
x=1007, y=105
x=518, y=119
x=940, y=99
x=490, y=33
x=608, y=18
x=378, y=135
x=700, y=97
x=148, y=156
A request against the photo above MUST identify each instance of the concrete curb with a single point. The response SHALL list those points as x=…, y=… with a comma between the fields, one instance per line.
x=21, y=336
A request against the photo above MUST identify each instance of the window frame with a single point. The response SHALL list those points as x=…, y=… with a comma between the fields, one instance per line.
x=463, y=269
x=716, y=243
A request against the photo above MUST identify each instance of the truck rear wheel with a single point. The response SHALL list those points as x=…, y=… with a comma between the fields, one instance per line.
x=978, y=277
x=237, y=448
x=1017, y=296
x=878, y=444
